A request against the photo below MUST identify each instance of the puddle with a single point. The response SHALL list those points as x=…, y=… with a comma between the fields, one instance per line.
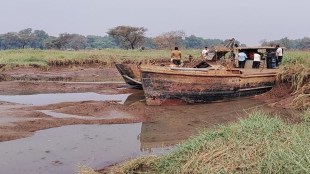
x=60, y=150
x=109, y=115
x=46, y=99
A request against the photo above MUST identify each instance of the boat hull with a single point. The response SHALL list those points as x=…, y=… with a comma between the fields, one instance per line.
x=130, y=73
x=163, y=86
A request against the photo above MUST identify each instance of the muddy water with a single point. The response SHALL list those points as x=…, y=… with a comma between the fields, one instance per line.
x=45, y=99
x=60, y=150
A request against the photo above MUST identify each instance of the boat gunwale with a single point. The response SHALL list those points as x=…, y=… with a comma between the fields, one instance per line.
x=200, y=73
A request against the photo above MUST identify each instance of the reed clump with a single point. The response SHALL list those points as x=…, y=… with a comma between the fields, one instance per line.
x=295, y=72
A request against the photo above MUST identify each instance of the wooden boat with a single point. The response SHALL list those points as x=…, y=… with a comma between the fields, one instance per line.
x=166, y=86
x=132, y=75
x=209, y=81
x=206, y=81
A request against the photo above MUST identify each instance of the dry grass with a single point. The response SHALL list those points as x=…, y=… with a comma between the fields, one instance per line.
x=85, y=170
x=295, y=71
x=138, y=165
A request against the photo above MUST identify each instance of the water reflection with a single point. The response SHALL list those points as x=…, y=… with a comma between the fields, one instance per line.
x=59, y=150
x=169, y=125
x=45, y=99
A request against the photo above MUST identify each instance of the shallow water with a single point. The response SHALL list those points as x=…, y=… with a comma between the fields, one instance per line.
x=110, y=115
x=45, y=99
x=61, y=150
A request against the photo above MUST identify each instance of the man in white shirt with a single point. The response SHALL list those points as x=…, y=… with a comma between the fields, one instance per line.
x=205, y=52
x=279, y=54
x=256, y=61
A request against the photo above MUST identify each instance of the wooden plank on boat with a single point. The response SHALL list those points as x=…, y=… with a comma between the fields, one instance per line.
x=190, y=69
x=131, y=79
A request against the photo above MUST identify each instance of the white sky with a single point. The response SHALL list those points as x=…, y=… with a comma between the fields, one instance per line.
x=249, y=21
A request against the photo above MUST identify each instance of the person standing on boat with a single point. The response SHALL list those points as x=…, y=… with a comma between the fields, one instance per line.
x=256, y=62
x=279, y=54
x=241, y=59
x=205, y=52
x=176, y=57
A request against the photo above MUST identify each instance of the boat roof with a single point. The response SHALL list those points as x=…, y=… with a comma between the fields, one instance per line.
x=255, y=47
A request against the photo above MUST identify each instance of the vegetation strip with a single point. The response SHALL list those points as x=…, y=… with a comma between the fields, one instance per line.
x=258, y=144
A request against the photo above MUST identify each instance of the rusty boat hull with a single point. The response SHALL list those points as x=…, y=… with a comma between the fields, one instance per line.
x=169, y=86
x=130, y=73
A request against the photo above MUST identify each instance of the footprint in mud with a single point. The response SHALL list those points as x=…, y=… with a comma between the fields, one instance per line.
x=56, y=163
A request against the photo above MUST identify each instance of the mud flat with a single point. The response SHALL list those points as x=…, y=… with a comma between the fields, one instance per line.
x=53, y=126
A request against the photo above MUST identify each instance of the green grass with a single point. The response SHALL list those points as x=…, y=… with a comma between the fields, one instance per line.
x=258, y=144
x=44, y=57
x=296, y=57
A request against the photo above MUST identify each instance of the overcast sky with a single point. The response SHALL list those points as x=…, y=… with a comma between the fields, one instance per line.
x=249, y=21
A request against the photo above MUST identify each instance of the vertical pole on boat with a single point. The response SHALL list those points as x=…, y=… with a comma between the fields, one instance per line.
x=231, y=46
x=263, y=66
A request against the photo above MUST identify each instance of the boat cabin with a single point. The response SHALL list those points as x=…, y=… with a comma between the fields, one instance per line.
x=267, y=53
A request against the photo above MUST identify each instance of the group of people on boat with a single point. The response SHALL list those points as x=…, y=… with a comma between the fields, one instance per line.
x=176, y=56
x=274, y=58
x=256, y=57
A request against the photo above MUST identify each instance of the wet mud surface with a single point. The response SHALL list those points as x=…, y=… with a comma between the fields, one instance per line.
x=55, y=126
x=73, y=73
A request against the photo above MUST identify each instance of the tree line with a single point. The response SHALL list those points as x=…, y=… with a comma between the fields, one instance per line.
x=303, y=43
x=125, y=37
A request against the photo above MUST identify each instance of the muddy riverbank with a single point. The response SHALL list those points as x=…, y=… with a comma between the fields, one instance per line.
x=20, y=119
x=33, y=100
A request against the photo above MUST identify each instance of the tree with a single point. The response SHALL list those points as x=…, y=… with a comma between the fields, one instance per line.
x=169, y=40
x=26, y=37
x=305, y=43
x=127, y=36
x=210, y=42
x=194, y=42
x=62, y=41
x=41, y=37
x=11, y=40
x=149, y=43
x=263, y=42
x=286, y=42
x=77, y=42
x=100, y=42
x=2, y=43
